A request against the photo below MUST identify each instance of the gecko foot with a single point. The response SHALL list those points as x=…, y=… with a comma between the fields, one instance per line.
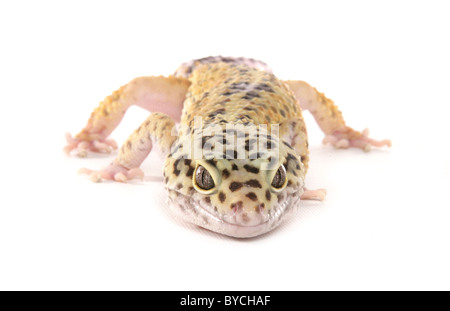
x=113, y=172
x=352, y=138
x=318, y=195
x=80, y=147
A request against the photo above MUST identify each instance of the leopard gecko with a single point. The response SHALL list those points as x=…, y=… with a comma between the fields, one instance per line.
x=232, y=137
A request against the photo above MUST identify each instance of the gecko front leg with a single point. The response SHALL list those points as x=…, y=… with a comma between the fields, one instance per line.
x=330, y=119
x=155, y=94
x=158, y=130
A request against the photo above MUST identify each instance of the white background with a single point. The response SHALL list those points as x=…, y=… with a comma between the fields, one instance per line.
x=384, y=225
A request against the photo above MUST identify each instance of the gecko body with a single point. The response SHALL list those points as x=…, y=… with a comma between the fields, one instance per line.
x=237, y=162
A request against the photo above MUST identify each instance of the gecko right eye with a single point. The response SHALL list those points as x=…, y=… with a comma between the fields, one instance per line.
x=279, y=180
x=203, y=178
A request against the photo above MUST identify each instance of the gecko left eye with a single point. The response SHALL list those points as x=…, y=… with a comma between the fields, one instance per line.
x=203, y=178
x=279, y=179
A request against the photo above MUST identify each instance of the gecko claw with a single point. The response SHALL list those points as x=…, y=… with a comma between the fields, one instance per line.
x=351, y=138
x=113, y=172
x=79, y=147
x=317, y=195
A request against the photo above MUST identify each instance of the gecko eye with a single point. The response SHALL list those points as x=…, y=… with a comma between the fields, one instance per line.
x=203, y=178
x=279, y=179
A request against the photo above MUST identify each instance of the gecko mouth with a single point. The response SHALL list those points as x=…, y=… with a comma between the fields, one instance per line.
x=236, y=223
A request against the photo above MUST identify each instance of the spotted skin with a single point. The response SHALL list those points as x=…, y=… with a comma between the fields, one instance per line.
x=251, y=141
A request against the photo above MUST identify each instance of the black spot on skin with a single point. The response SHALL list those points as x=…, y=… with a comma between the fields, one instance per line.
x=291, y=157
x=179, y=186
x=268, y=195
x=207, y=200
x=222, y=197
x=227, y=59
x=190, y=171
x=251, y=169
x=287, y=145
x=234, y=167
x=264, y=87
x=303, y=158
x=282, y=113
x=225, y=173
x=251, y=95
x=228, y=93
x=289, y=183
x=253, y=183
x=212, y=162
x=215, y=113
x=280, y=197
x=270, y=145
x=249, y=144
x=176, y=171
x=252, y=196
x=239, y=86
x=235, y=186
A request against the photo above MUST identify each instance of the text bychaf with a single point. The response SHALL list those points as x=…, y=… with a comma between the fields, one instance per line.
x=227, y=301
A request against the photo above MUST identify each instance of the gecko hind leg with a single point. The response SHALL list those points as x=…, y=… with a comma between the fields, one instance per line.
x=330, y=120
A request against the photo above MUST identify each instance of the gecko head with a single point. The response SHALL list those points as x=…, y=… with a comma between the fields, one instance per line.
x=243, y=183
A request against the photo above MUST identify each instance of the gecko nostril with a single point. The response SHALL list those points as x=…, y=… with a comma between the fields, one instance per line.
x=260, y=208
x=236, y=207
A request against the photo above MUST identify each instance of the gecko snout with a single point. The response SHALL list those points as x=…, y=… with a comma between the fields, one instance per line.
x=246, y=213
